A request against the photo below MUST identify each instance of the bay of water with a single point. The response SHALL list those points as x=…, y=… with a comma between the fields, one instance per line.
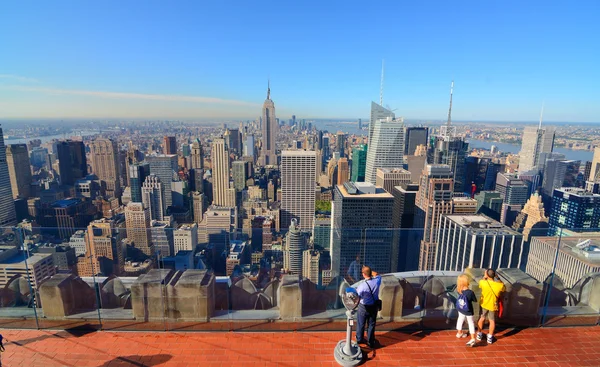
x=48, y=138
x=577, y=155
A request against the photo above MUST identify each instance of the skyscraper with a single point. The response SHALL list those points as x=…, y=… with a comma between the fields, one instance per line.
x=594, y=169
x=415, y=136
x=433, y=200
x=326, y=150
x=234, y=141
x=295, y=244
x=361, y=227
x=449, y=149
x=197, y=165
x=72, y=164
x=105, y=164
x=165, y=167
x=249, y=147
x=298, y=188
x=198, y=206
x=476, y=241
x=536, y=140
x=405, y=255
x=343, y=174
x=169, y=145
x=558, y=173
x=137, y=175
x=220, y=173
x=153, y=197
x=574, y=208
x=386, y=147
x=359, y=163
x=19, y=170
x=137, y=223
x=268, y=153
x=378, y=113
x=341, y=143
x=513, y=190
x=8, y=215
x=238, y=172
x=197, y=155
x=105, y=248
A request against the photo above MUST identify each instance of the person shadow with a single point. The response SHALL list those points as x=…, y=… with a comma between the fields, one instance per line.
x=138, y=361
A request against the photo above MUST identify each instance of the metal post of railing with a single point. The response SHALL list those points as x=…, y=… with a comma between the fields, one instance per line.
x=162, y=292
x=96, y=288
x=547, y=300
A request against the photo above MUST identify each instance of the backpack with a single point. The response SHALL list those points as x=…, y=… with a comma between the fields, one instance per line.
x=462, y=303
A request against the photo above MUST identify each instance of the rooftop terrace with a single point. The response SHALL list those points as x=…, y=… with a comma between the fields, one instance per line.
x=515, y=347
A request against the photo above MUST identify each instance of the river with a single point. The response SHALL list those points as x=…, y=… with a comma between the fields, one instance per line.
x=48, y=138
x=576, y=155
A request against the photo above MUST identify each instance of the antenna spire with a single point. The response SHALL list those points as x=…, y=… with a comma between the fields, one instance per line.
x=541, y=116
x=269, y=88
x=450, y=108
x=381, y=87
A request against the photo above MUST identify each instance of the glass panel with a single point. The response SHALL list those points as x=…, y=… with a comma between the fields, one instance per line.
x=19, y=301
x=572, y=286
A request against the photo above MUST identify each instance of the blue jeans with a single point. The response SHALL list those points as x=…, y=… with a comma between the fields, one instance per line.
x=366, y=314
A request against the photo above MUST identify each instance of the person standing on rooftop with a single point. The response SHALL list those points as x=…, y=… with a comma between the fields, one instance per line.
x=368, y=306
x=491, y=289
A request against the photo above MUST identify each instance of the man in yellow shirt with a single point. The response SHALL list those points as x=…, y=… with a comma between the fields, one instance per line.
x=491, y=290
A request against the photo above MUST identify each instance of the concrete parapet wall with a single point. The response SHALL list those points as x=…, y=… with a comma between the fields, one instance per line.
x=190, y=296
x=290, y=298
x=391, y=294
x=64, y=295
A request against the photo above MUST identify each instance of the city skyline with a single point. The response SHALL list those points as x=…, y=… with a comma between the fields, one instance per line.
x=203, y=67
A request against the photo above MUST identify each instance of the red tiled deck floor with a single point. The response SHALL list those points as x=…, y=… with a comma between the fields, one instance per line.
x=529, y=347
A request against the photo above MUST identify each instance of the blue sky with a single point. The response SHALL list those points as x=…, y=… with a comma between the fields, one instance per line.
x=212, y=59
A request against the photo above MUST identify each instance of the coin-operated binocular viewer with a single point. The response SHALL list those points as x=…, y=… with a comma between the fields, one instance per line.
x=347, y=352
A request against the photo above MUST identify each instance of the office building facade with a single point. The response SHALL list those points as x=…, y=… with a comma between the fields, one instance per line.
x=298, y=188
x=361, y=227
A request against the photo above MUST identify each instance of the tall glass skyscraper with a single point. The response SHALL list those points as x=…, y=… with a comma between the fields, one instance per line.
x=359, y=163
x=535, y=142
x=8, y=215
x=386, y=147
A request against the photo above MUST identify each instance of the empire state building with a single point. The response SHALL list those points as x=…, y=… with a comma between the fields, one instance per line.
x=268, y=155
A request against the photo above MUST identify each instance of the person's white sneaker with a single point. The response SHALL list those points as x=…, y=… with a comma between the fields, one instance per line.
x=479, y=336
x=461, y=335
x=490, y=339
x=471, y=343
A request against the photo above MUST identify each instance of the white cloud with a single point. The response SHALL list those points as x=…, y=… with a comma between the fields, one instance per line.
x=18, y=78
x=119, y=95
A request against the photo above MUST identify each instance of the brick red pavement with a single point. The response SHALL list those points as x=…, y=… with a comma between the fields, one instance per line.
x=529, y=347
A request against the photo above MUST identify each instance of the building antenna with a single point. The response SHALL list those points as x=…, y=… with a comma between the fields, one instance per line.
x=381, y=87
x=269, y=88
x=541, y=115
x=450, y=108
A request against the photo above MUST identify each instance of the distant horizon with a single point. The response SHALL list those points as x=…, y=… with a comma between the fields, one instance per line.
x=218, y=120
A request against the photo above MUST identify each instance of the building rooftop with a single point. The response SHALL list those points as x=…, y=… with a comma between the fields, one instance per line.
x=480, y=224
x=393, y=170
x=584, y=248
x=65, y=203
x=363, y=190
x=20, y=259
